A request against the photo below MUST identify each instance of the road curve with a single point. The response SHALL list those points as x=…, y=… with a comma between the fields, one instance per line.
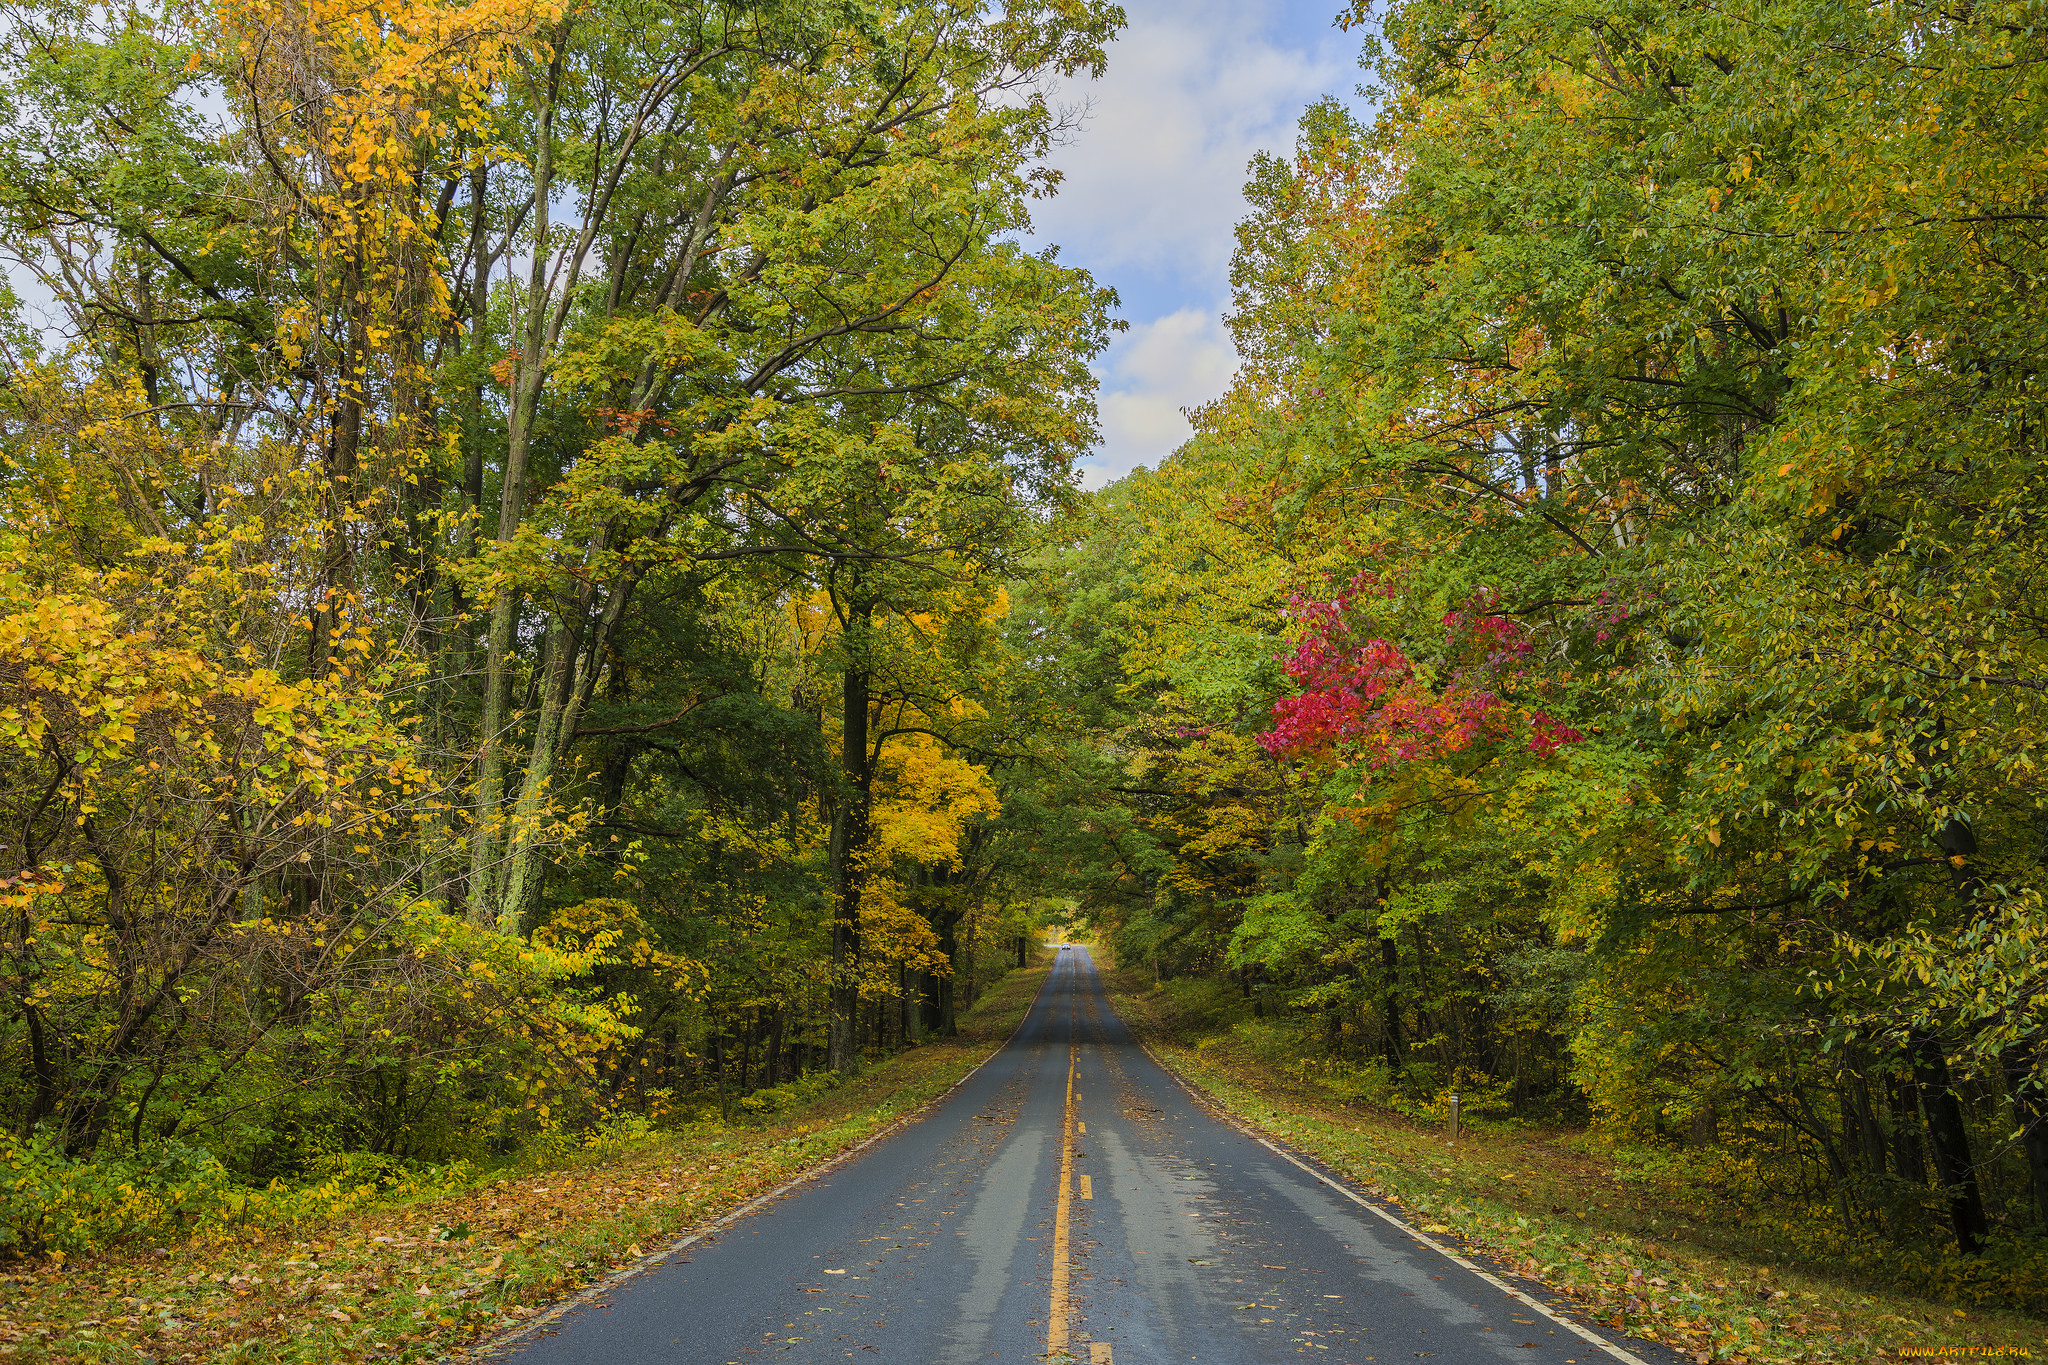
x=1069, y=1201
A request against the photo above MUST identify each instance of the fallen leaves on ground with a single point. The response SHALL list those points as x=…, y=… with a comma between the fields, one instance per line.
x=1712, y=1308
x=412, y=1281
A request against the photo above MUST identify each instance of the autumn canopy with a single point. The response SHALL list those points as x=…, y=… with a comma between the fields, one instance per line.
x=542, y=580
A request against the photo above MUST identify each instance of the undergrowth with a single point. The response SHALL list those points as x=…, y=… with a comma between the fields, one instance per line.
x=385, y=1261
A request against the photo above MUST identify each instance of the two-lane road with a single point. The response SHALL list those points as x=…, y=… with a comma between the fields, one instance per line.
x=1068, y=1201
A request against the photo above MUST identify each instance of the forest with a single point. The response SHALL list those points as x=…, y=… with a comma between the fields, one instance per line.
x=544, y=587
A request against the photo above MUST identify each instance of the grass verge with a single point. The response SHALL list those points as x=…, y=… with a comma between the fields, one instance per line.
x=1567, y=1217
x=425, y=1279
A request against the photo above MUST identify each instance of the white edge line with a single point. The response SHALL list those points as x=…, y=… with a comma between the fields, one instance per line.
x=1210, y=1103
x=516, y=1335
x=1440, y=1249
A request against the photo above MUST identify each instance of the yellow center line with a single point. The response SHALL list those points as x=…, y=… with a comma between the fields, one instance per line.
x=1056, y=1318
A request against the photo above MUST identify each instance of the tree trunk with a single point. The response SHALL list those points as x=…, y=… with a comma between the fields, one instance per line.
x=941, y=1017
x=1390, y=1034
x=1873, y=1132
x=1907, y=1159
x=518, y=870
x=1705, y=1127
x=747, y=1052
x=967, y=954
x=2030, y=1109
x=849, y=850
x=488, y=861
x=1951, y=1141
x=718, y=1071
x=528, y=371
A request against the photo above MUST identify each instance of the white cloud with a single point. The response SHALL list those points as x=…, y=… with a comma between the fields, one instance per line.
x=1153, y=190
x=1159, y=368
x=1192, y=92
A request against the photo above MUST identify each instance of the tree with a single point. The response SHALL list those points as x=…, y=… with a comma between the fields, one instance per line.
x=797, y=218
x=443, y=417
x=1636, y=422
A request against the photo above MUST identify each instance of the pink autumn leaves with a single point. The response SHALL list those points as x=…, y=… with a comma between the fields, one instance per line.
x=1364, y=702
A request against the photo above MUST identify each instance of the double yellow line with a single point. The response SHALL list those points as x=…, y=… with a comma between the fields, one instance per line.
x=1056, y=1329
x=1056, y=1319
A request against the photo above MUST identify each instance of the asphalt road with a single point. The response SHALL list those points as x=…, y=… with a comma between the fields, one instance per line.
x=1070, y=1200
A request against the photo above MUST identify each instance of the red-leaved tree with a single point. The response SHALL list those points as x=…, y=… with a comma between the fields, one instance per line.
x=1364, y=701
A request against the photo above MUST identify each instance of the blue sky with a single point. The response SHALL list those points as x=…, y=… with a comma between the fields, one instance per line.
x=1154, y=186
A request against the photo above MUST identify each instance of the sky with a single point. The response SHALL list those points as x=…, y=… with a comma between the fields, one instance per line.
x=1154, y=186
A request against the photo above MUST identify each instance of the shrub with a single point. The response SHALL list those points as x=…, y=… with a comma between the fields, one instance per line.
x=54, y=1204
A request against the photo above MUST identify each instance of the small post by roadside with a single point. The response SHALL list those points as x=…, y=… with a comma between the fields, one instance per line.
x=1454, y=1116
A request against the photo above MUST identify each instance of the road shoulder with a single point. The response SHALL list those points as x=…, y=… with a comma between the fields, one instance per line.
x=448, y=1277
x=1652, y=1297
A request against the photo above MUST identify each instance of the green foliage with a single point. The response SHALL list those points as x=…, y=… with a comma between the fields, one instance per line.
x=62, y=1206
x=449, y=711
x=791, y=1094
x=1590, y=659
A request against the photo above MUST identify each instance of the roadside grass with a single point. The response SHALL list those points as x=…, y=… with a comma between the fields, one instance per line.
x=429, y=1277
x=1580, y=1220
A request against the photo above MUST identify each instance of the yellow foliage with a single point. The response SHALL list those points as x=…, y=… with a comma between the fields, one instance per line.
x=925, y=798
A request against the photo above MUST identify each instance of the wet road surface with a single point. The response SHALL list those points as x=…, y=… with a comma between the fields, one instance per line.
x=1069, y=1201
